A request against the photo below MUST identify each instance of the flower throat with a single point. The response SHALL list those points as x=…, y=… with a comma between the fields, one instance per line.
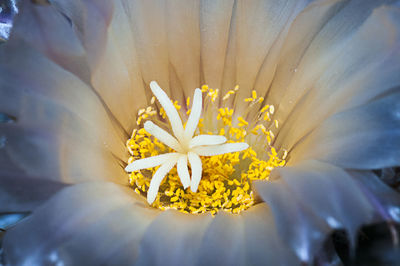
x=226, y=179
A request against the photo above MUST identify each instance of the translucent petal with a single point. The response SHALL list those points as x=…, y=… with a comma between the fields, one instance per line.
x=307, y=234
x=26, y=93
x=385, y=200
x=118, y=77
x=147, y=21
x=215, y=19
x=118, y=242
x=264, y=245
x=256, y=28
x=302, y=64
x=346, y=207
x=366, y=137
x=183, y=33
x=59, y=117
x=219, y=246
x=353, y=78
x=17, y=195
x=65, y=229
x=90, y=20
x=173, y=238
x=50, y=151
x=51, y=34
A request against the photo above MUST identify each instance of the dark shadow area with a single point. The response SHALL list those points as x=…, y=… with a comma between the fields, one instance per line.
x=375, y=246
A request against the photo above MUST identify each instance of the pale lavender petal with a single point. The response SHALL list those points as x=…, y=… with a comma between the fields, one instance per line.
x=173, y=238
x=359, y=69
x=87, y=223
x=90, y=20
x=148, y=27
x=330, y=193
x=264, y=244
x=215, y=19
x=29, y=95
x=20, y=193
x=57, y=155
x=307, y=233
x=112, y=240
x=51, y=34
x=118, y=77
x=322, y=41
x=301, y=33
x=183, y=35
x=385, y=200
x=87, y=48
x=365, y=137
x=256, y=38
x=223, y=242
x=66, y=130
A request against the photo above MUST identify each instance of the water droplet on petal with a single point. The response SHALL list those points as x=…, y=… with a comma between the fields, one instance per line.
x=3, y=141
x=395, y=213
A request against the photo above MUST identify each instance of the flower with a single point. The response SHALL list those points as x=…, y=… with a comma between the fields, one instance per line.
x=311, y=87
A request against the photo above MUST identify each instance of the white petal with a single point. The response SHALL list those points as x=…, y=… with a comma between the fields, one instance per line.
x=183, y=171
x=220, y=149
x=195, y=163
x=158, y=177
x=170, y=110
x=204, y=140
x=150, y=162
x=194, y=116
x=162, y=135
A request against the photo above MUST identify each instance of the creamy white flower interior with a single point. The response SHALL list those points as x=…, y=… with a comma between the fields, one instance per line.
x=187, y=147
x=74, y=74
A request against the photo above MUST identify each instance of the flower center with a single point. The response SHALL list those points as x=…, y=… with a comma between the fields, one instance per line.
x=226, y=178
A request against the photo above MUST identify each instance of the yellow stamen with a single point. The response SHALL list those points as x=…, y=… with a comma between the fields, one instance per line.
x=226, y=182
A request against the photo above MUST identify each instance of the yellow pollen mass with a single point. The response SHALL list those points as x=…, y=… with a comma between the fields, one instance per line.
x=226, y=182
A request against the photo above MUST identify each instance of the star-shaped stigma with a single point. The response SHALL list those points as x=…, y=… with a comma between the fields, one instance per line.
x=188, y=148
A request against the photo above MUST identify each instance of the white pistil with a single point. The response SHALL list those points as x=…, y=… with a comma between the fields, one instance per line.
x=183, y=171
x=220, y=149
x=194, y=116
x=195, y=162
x=162, y=136
x=201, y=140
x=158, y=177
x=187, y=148
x=169, y=108
x=149, y=162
